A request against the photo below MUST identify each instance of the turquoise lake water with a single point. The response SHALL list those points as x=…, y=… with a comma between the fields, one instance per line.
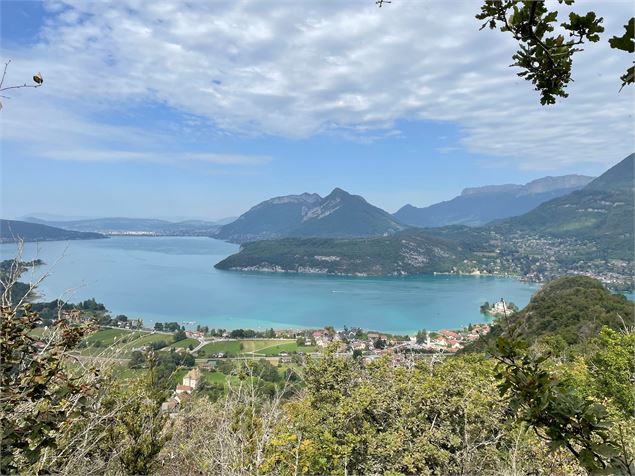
x=173, y=279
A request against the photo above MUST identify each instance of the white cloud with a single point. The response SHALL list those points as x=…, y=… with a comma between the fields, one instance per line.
x=295, y=69
x=228, y=159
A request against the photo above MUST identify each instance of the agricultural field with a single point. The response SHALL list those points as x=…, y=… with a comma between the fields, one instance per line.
x=232, y=348
x=119, y=343
x=182, y=344
x=286, y=347
x=256, y=347
x=106, y=336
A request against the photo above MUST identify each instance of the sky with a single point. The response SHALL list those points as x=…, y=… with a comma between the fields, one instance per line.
x=175, y=109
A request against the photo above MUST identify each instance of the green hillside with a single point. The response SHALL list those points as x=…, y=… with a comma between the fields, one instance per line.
x=13, y=230
x=572, y=308
x=480, y=205
x=409, y=252
x=601, y=212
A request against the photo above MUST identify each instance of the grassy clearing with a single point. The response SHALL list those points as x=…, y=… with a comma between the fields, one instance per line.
x=232, y=348
x=255, y=348
x=107, y=336
x=256, y=345
x=119, y=343
x=284, y=347
x=183, y=343
x=142, y=339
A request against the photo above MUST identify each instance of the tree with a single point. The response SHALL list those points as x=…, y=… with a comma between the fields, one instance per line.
x=138, y=429
x=179, y=335
x=544, y=56
x=39, y=395
x=613, y=367
x=379, y=344
x=136, y=360
x=556, y=412
x=376, y=419
x=37, y=79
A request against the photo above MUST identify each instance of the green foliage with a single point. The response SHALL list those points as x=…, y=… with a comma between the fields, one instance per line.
x=613, y=367
x=378, y=419
x=212, y=390
x=136, y=360
x=544, y=56
x=232, y=348
x=138, y=429
x=557, y=412
x=39, y=396
x=374, y=256
x=179, y=335
x=626, y=42
x=572, y=309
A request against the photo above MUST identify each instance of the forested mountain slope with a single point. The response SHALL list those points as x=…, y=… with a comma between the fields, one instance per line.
x=13, y=230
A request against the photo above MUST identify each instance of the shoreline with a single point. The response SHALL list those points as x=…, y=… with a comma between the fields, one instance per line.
x=322, y=272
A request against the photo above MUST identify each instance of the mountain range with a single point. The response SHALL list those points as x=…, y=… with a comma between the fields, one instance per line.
x=601, y=212
x=481, y=205
x=338, y=215
x=13, y=230
x=587, y=231
x=342, y=215
x=120, y=225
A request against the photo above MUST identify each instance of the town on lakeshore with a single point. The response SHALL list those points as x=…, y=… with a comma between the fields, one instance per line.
x=367, y=346
x=213, y=354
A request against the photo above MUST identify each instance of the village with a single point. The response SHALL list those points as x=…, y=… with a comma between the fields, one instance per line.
x=402, y=351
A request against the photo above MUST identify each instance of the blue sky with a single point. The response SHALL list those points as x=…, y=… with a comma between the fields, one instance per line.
x=200, y=110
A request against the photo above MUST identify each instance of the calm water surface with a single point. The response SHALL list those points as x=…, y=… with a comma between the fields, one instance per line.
x=173, y=279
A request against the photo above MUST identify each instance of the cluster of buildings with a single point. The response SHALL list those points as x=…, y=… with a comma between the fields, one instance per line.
x=448, y=340
x=131, y=324
x=182, y=392
x=373, y=344
x=195, y=334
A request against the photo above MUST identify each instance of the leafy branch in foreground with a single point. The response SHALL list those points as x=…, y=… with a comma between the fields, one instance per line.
x=556, y=412
x=626, y=42
x=39, y=396
x=63, y=413
x=545, y=58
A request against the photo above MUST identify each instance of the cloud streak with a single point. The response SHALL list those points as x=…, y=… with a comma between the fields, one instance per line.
x=299, y=69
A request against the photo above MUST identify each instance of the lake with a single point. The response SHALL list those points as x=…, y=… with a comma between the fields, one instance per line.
x=173, y=279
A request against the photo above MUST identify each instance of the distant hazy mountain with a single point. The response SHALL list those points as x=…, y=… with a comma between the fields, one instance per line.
x=602, y=211
x=13, y=230
x=480, y=205
x=338, y=215
x=134, y=225
x=225, y=221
